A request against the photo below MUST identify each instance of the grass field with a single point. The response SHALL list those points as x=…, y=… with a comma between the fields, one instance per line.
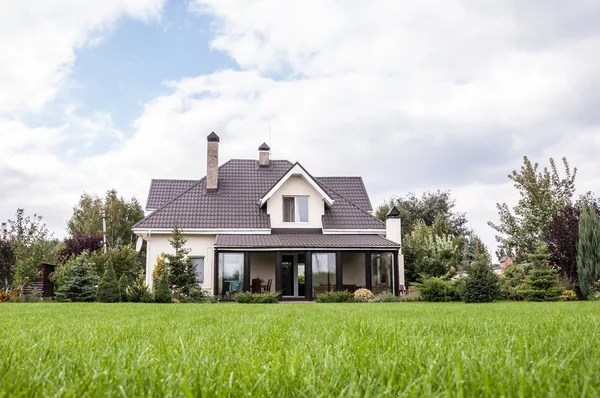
x=387, y=349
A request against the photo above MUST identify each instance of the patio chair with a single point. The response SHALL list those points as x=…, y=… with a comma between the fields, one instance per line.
x=256, y=286
x=267, y=288
x=235, y=287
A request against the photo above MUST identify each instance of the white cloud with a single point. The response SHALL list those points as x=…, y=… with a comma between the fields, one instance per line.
x=410, y=95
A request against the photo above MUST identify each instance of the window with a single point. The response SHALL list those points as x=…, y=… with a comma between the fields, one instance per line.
x=295, y=209
x=323, y=267
x=231, y=273
x=198, y=268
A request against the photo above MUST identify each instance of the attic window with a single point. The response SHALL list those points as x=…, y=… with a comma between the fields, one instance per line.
x=295, y=209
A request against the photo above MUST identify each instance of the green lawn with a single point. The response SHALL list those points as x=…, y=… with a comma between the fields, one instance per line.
x=388, y=349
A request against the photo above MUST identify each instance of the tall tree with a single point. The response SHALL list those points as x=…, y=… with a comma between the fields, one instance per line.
x=429, y=207
x=542, y=194
x=181, y=268
x=562, y=238
x=588, y=250
x=121, y=215
x=32, y=243
x=7, y=264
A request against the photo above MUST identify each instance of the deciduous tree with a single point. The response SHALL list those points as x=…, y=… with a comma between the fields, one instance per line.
x=7, y=264
x=542, y=194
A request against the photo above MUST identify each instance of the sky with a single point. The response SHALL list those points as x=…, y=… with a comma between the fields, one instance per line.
x=410, y=95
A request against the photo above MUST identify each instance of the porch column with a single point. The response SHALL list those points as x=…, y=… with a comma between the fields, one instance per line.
x=216, y=291
x=338, y=271
x=308, y=284
x=278, y=275
x=368, y=279
x=395, y=274
x=246, y=271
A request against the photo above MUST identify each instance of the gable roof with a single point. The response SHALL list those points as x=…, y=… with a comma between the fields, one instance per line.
x=351, y=188
x=297, y=170
x=234, y=205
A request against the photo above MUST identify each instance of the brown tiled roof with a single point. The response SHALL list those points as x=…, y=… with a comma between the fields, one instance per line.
x=242, y=183
x=163, y=191
x=301, y=240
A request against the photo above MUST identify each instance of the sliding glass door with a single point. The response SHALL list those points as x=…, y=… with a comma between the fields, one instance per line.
x=231, y=273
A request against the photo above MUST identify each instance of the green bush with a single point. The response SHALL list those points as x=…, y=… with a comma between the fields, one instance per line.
x=438, y=290
x=137, y=290
x=78, y=280
x=125, y=261
x=540, y=285
x=162, y=292
x=195, y=294
x=386, y=297
x=568, y=295
x=256, y=298
x=123, y=284
x=336, y=297
x=108, y=288
x=481, y=285
x=410, y=297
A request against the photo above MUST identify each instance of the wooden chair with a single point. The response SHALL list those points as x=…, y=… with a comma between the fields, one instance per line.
x=256, y=286
x=267, y=288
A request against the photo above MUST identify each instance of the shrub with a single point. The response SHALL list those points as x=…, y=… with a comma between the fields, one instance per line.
x=363, y=295
x=410, y=297
x=588, y=249
x=336, y=297
x=124, y=260
x=108, y=289
x=137, y=290
x=123, y=284
x=510, y=281
x=386, y=297
x=32, y=295
x=482, y=285
x=78, y=280
x=147, y=297
x=568, y=295
x=4, y=297
x=256, y=298
x=438, y=290
x=594, y=291
x=162, y=293
x=541, y=285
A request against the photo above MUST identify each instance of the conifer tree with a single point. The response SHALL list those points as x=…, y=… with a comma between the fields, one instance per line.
x=482, y=285
x=181, y=268
x=123, y=284
x=162, y=293
x=108, y=288
x=588, y=250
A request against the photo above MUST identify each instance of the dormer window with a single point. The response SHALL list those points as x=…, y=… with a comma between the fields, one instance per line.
x=295, y=209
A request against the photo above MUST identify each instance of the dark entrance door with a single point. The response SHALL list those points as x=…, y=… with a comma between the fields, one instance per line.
x=287, y=274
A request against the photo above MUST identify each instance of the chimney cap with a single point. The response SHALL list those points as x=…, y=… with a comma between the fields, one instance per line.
x=212, y=137
x=264, y=147
x=393, y=213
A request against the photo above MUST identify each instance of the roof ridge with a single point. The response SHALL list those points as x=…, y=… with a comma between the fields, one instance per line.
x=176, y=197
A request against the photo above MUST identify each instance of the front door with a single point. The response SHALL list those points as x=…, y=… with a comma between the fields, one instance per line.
x=292, y=275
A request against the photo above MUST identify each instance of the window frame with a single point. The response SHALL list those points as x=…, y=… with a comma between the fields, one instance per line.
x=192, y=258
x=296, y=209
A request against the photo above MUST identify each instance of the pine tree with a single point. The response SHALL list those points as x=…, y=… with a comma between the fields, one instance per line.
x=78, y=282
x=541, y=283
x=162, y=293
x=482, y=285
x=123, y=284
x=108, y=289
x=181, y=268
x=588, y=250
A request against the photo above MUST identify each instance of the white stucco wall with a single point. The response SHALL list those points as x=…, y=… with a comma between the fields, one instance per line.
x=353, y=269
x=262, y=265
x=296, y=186
x=200, y=246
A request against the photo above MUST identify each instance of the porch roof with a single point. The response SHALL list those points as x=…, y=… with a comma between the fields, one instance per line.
x=304, y=241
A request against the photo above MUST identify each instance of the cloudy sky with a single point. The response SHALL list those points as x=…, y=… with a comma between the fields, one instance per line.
x=411, y=95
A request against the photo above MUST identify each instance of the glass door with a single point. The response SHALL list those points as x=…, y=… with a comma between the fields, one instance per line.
x=293, y=275
x=287, y=274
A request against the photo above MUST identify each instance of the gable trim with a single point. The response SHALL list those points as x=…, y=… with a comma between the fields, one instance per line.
x=353, y=231
x=297, y=170
x=205, y=231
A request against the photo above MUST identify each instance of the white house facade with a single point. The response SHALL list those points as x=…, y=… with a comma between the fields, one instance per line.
x=268, y=225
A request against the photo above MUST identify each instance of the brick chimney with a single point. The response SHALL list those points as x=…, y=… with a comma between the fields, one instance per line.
x=264, y=155
x=212, y=162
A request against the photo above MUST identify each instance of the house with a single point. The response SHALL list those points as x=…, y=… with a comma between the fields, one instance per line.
x=505, y=262
x=262, y=224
